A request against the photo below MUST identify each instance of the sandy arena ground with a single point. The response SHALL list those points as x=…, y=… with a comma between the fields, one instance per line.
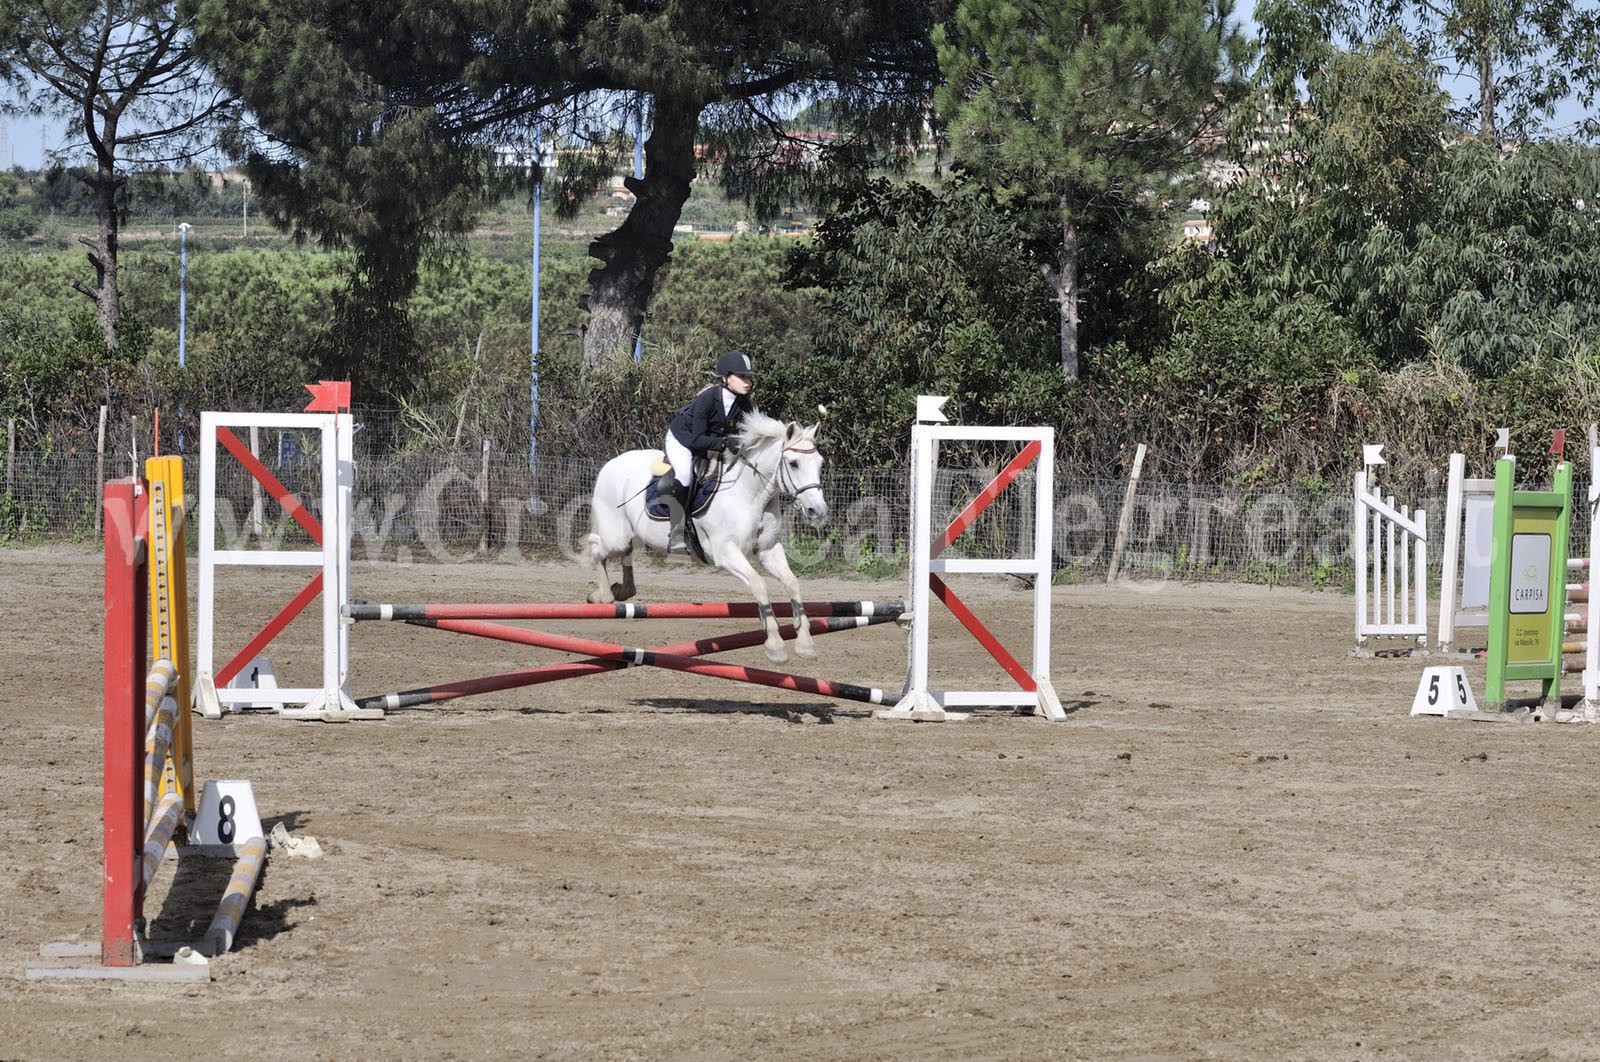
x=1239, y=845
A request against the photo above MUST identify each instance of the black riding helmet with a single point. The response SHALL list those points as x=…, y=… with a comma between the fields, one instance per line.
x=735, y=362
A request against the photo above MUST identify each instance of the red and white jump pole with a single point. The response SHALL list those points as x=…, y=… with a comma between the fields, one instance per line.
x=595, y=665
x=331, y=535
x=362, y=610
x=627, y=656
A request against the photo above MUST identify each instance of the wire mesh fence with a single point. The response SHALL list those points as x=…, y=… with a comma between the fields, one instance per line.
x=446, y=506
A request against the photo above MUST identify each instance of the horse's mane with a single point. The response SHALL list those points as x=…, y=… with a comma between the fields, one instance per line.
x=758, y=431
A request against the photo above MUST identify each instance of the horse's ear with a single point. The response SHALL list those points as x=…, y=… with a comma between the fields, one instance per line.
x=813, y=431
x=792, y=431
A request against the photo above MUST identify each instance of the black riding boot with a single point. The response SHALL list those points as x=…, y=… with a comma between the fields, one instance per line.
x=675, y=496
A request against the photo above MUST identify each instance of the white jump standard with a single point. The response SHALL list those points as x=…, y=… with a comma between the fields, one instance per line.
x=330, y=556
x=1035, y=689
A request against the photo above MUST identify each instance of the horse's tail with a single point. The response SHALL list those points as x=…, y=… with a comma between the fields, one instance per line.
x=596, y=550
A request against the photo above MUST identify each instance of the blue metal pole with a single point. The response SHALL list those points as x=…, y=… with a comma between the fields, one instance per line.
x=533, y=328
x=638, y=173
x=183, y=295
x=183, y=311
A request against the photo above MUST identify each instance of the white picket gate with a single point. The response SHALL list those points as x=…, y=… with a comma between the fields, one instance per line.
x=1391, y=566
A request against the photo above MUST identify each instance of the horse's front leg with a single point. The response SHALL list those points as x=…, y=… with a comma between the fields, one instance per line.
x=776, y=561
x=729, y=557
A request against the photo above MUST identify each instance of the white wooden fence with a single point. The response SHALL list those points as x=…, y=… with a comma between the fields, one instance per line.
x=1391, y=566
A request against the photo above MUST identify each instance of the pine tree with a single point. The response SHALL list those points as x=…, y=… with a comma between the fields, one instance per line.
x=1083, y=106
x=1512, y=61
x=381, y=122
x=121, y=75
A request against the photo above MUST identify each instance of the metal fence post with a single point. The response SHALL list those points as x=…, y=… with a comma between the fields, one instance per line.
x=99, y=470
x=485, y=517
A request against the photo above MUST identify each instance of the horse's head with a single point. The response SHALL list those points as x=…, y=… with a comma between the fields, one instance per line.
x=800, y=472
x=787, y=454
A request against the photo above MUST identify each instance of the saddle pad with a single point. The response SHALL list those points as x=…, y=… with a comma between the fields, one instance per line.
x=656, y=509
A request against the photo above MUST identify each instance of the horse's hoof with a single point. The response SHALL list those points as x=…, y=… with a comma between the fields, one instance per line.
x=777, y=654
x=620, y=592
x=599, y=597
x=805, y=650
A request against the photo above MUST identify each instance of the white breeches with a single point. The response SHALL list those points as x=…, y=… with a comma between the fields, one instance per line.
x=680, y=457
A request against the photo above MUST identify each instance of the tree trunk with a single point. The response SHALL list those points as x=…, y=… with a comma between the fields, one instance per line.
x=103, y=254
x=1063, y=278
x=636, y=250
x=1486, y=99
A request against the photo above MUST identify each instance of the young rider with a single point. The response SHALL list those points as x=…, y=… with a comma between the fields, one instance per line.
x=704, y=425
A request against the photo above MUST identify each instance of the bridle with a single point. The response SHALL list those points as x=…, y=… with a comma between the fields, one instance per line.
x=785, y=479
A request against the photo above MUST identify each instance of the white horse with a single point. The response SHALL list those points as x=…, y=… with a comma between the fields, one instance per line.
x=774, y=461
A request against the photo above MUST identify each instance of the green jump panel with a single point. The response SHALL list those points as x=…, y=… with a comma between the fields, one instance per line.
x=1527, y=583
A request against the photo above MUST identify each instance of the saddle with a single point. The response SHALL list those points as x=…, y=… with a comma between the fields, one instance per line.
x=703, y=482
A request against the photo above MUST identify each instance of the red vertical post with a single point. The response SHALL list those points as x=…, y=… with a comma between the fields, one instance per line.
x=123, y=691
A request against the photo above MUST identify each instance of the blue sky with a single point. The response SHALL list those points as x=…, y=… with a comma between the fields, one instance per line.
x=21, y=143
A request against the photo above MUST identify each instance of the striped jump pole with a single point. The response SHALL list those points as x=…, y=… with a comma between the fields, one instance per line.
x=157, y=747
x=362, y=610
x=235, y=898
x=163, y=823
x=631, y=656
x=162, y=680
x=721, y=643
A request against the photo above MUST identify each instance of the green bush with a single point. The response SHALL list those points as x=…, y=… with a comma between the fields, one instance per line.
x=921, y=292
x=18, y=223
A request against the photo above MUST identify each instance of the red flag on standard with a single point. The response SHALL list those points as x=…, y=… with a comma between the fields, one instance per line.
x=329, y=396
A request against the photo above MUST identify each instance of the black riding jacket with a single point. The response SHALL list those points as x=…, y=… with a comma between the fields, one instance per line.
x=703, y=425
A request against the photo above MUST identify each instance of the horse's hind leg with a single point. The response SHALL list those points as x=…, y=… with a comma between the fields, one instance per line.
x=605, y=590
x=602, y=593
x=625, y=589
x=730, y=558
x=776, y=561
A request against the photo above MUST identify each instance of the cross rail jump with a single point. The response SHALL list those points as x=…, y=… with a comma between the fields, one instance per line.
x=330, y=553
